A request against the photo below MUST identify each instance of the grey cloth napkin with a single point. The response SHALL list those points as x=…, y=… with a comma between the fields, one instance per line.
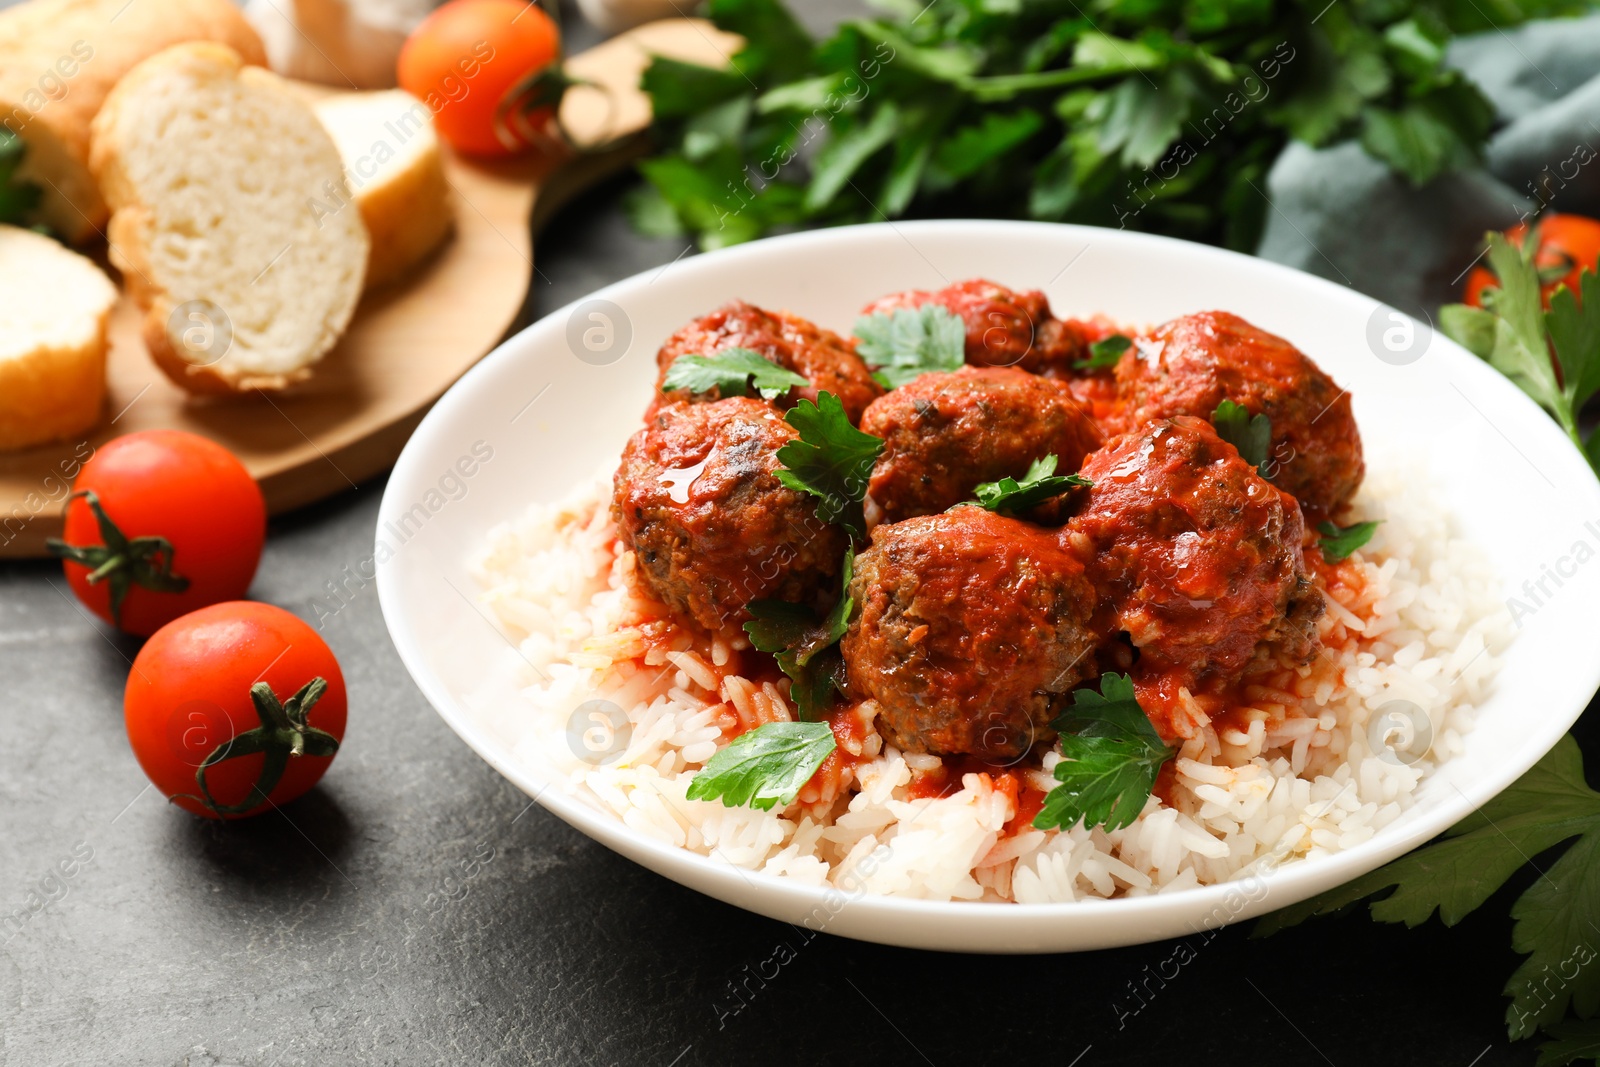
x=1342, y=215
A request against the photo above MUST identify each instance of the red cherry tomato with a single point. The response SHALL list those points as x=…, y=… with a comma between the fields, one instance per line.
x=464, y=59
x=180, y=525
x=195, y=699
x=1568, y=246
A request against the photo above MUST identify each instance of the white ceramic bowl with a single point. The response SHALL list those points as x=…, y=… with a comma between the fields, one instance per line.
x=557, y=401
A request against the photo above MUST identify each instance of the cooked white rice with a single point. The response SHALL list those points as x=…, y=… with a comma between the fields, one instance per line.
x=1323, y=764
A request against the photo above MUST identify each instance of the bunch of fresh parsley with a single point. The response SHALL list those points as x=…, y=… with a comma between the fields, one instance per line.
x=1162, y=115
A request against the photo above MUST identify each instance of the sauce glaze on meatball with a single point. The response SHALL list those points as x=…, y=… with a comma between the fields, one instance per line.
x=1215, y=356
x=970, y=629
x=1004, y=328
x=1196, y=556
x=944, y=433
x=827, y=360
x=697, y=500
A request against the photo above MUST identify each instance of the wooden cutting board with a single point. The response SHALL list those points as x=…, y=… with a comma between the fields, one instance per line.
x=406, y=344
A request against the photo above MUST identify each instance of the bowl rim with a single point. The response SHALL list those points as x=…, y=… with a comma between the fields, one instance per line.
x=1289, y=880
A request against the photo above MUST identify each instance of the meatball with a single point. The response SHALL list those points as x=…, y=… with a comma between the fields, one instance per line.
x=1214, y=356
x=1195, y=555
x=972, y=627
x=827, y=360
x=1004, y=328
x=945, y=433
x=713, y=528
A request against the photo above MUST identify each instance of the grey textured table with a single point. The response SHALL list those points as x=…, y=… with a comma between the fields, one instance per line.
x=415, y=910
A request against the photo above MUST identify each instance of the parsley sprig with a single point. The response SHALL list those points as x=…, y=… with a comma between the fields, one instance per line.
x=1039, y=484
x=904, y=344
x=1515, y=335
x=1251, y=436
x=732, y=372
x=805, y=646
x=1554, y=922
x=832, y=461
x=765, y=767
x=1339, y=541
x=1110, y=758
x=1105, y=353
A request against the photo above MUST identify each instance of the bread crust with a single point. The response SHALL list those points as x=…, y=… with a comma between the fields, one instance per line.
x=61, y=59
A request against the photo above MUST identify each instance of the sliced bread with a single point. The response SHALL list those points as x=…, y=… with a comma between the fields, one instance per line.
x=54, y=306
x=392, y=162
x=218, y=177
x=59, y=59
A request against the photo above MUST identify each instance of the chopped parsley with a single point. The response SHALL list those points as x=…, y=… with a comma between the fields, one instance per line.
x=765, y=767
x=1251, y=436
x=832, y=461
x=732, y=372
x=1038, y=485
x=1110, y=758
x=904, y=344
x=1105, y=353
x=1515, y=336
x=805, y=646
x=1339, y=541
x=1554, y=922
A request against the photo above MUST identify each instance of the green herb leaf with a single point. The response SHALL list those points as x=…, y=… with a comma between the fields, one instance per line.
x=1251, y=436
x=803, y=644
x=904, y=344
x=766, y=767
x=1039, y=484
x=1105, y=353
x=1111, y=756
x=1574, y=329
x=17, y=199
x=832, y=461
x=1572, y=1041
x=731, y=372
x=1339, y=541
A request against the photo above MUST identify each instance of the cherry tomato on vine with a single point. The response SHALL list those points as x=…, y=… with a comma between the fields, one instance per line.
x=160, y=522
x=1568, y=246
x=488, y=70
x=234, y=709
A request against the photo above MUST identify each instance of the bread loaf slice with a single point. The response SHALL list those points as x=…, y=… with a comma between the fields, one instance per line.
x=59, y=59
x=230, y=220
x=54, y=306
x=392, y=163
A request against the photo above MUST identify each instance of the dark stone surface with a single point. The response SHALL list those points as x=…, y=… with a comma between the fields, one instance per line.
x=414, y=909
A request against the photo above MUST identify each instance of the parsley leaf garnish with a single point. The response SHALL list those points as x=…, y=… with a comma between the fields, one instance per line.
x=732, y=372
x=904, y=344
x=765, y=767
x=1104, y=353
x=1038, y=485
x=1110, y=758
x=1556, y=918
x=804, y=645
x=1251, y=436
x=832, y=461
x=1515, y=335
x=1339, y=541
